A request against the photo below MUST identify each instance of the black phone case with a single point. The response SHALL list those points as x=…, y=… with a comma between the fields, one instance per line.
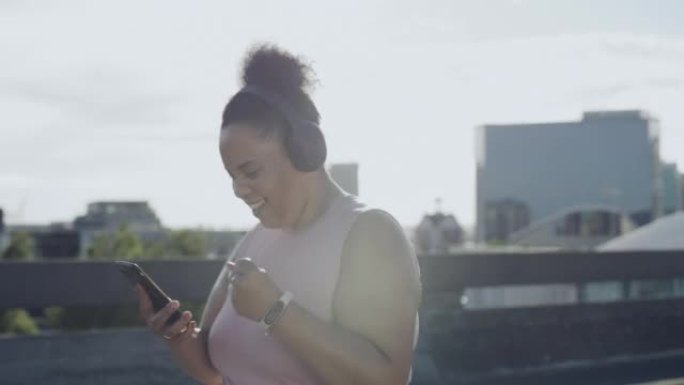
x=159, y=299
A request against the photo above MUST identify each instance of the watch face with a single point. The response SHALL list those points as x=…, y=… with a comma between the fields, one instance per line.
x=273, y=313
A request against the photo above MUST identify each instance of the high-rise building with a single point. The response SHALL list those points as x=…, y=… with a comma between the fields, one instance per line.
x=672, y=188
x=681, y=191
x=528, y=172
x=346, y=175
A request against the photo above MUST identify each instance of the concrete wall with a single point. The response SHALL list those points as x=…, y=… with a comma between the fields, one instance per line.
x=115, y=357
x=132, y=356
x=643, y=339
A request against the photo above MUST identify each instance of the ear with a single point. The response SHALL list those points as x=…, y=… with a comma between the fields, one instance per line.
x=306, y=147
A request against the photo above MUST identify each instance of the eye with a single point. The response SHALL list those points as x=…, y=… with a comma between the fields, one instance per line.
x=252, y=174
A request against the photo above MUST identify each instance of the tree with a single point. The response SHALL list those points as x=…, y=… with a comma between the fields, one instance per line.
x=178, y=244
x=17, y=321
x=123, y=244
x=21, y=247
x=186, y=243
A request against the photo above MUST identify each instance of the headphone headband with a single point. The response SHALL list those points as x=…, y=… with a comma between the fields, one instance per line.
x=275, y=100
x=304, y=140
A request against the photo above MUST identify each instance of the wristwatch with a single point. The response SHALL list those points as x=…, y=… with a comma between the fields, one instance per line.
x=276, y=311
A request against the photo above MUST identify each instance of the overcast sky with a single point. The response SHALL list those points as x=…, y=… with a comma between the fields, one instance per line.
x=122, y=99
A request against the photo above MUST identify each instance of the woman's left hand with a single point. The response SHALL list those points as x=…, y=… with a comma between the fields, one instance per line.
x=253, y=292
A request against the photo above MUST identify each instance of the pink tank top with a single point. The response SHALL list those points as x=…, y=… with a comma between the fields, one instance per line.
x=305, y=262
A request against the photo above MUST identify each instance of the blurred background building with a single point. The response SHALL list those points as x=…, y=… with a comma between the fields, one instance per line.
x=672, y=188
x=571, y=184
x=438, y=233
x=107, y=218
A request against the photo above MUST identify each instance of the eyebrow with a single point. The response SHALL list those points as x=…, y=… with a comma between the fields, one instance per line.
x=245, y=165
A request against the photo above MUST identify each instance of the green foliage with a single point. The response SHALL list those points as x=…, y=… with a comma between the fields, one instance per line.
x=17, y=321
x=127, y=245
x=53, y=316
x=154, y=250
x=21, y=247
x=179, y=244
x=102, y=317
x=186, y=243
x=123, y=244
x=93, y=317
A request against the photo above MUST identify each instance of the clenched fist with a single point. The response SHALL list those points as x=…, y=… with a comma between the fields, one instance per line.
x=253, y=292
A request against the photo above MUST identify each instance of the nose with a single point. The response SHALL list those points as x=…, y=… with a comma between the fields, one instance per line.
x=240, y=188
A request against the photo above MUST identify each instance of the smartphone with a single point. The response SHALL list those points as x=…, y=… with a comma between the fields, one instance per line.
x=159, y=299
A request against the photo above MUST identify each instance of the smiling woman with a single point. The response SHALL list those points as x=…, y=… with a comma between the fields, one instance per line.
x=324, y=290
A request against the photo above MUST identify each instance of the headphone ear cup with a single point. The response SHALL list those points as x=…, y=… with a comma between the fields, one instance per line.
x=306, y=147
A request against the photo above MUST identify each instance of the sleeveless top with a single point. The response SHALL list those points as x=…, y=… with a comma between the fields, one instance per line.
x=305, y=262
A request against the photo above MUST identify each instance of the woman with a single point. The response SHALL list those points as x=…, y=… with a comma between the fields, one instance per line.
x=323, y=290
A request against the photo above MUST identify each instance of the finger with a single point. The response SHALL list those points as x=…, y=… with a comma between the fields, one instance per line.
x=144, y=303
x=230, y=271
x=186, y=332
x=189, y=331
x=244, y=266
x=232, y=277
x=158, y=321
x=179, y=327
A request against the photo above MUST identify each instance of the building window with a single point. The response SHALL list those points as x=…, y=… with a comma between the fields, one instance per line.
x=504, y=217
x=589, y=224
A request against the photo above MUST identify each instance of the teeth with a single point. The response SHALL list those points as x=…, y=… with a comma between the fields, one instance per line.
x=255, y=206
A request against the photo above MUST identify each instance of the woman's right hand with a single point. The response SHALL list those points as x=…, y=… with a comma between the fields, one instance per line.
x=179, y=330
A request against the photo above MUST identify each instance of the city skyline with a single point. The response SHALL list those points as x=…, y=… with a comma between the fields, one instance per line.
x=122, y=101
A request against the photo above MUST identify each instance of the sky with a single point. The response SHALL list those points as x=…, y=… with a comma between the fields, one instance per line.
x=121, y=100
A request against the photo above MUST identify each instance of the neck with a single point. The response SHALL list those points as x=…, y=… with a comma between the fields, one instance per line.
x=320, y=193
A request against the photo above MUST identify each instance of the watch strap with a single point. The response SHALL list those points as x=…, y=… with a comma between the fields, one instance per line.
x=276, y=311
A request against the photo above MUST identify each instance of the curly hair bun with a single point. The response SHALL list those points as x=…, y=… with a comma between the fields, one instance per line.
x=269, y=66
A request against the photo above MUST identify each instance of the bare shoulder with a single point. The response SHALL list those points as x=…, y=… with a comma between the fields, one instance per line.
x=377, y=241
x=378, y=291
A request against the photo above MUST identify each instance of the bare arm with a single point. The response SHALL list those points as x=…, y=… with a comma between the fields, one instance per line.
x=375, y=307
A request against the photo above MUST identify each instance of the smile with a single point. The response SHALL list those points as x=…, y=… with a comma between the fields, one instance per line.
x=255, y=206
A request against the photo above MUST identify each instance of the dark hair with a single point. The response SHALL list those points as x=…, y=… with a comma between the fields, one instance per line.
x=275, y=100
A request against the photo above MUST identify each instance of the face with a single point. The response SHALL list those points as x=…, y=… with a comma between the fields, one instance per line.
x=263, y=176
